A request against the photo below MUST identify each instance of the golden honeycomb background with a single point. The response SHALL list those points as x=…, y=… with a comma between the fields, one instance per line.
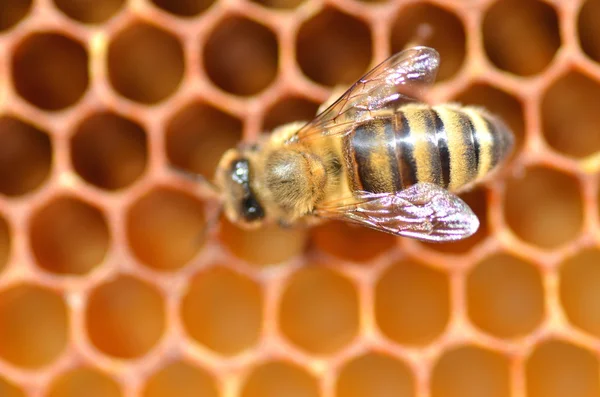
x=112, y=285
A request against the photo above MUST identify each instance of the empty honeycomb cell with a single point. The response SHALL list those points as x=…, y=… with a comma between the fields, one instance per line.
x=88, y=11
x=499, y=103
x=521, y=37
x=268, y=245
x=544, y=207
x=375, y=375
x=184, y=8
x=198, y=135
x=50, y=70
x=250, y=63
x=69, y=236
x=447, y=35
x=278, y=378
x=288, y=110
x=470, y=371
x=412, y=303
x=588, y=29
x=319, y=310
x=334, y=48
x=145, y=63
x=338, y=238
x=109, y=150
x=223, y=311
x=8, y=389
x=580, y=290
x=557, y=369
x=13, y=11
x=34, y=325
x=25, y=156
x=84, y=381
x=125, y=317
x=505, y=296
x=477, y=201
x=180, y=379
x=166, y=228
x=570, y=115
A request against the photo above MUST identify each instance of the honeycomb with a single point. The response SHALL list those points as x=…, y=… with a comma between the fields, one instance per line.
x=117, y=280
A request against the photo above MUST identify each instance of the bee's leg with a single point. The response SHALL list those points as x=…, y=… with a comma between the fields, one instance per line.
x=336, y=92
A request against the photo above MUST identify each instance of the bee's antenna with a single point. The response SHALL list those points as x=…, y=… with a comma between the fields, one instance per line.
x=201, y=180
x=214, y=209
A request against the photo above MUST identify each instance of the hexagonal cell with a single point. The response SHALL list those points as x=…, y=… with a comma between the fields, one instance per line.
x=334, y=48
x=36, y=339
x=280, y=4
x=412, y=303
x=470, y=371
x=278, y=378
x=125, y=317
x=8, y=389
x=182, y=380
x=166, y=228
x=50, y=70
x=375, y=375
x=268, y=245
x=183, y=8
x=580, y=290
x=145, y=63
x=13, y=11
x=250, y=63
x=69, y=236
x=198, y=135
x=83, y=11
x=223, y=311
x=587, y=28
x=447, y=35
x=557, y=369
x=505, y=296
x=339, y=239
x=109, y=150
x=477, y=200
x=84, y=381
x=288, y=110
x=501, y=104
x=544, y=207
x=521, y=37
x=570, y=115
x=25, y=156
x=319, y=310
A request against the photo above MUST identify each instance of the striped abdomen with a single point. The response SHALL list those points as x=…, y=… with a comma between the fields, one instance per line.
x=448, y=145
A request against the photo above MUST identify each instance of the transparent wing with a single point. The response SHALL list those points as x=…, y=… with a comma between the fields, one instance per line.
x=399, y=79
x=424, y=211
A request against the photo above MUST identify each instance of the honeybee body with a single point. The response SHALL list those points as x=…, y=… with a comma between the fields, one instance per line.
x=450, y=146
x=375, y=157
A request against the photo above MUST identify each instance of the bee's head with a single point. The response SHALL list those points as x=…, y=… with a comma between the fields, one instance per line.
x=235, y=180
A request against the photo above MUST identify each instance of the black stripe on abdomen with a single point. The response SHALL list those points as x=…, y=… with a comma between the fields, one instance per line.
x=442, y=145
x=405, y=151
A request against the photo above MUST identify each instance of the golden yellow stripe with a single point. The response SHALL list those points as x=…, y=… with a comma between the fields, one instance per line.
x=458, y=147
x=422, y=137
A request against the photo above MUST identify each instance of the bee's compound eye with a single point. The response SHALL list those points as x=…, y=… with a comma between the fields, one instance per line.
x=251, y=209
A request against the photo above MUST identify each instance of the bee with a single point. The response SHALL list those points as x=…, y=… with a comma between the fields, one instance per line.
x=376, y=157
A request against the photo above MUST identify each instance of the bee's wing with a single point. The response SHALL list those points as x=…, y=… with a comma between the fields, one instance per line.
x=424, y=211
x=399, y=79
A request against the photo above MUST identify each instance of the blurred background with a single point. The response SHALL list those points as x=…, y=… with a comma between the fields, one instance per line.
x=111, y=286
